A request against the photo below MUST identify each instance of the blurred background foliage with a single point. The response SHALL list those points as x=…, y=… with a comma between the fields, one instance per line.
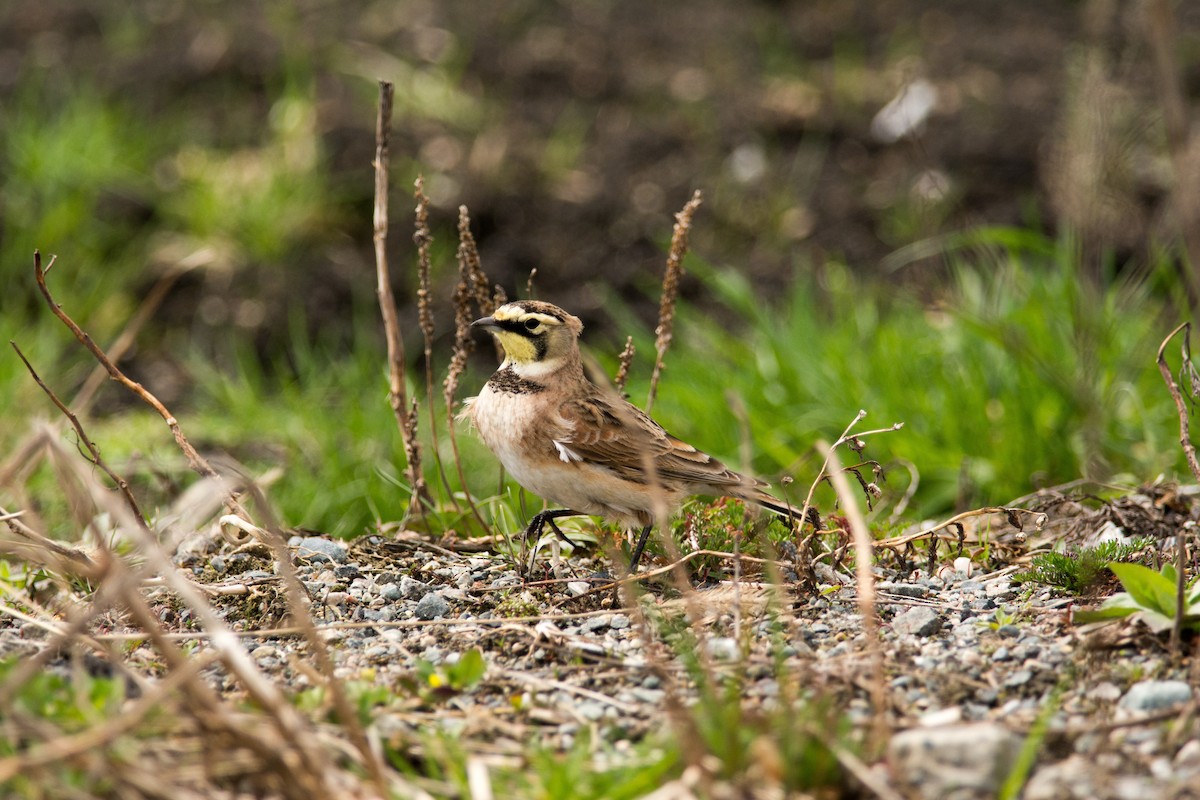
x=997, y=277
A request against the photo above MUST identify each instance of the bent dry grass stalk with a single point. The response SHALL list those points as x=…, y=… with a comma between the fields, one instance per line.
x=1187, y=369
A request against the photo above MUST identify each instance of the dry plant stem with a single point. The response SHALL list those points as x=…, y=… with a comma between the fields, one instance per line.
x=301, y=756
x=1039, y=519
x=196, y=461
x=1189, y=451
x=397, y=392
x=824, y=471
x=1162, y=34
x=423, y=239
x=468, y=264
x=65, y=559
x=623, y=369
x=865, y=579
x=670, y=291
x=116, y=351
x=298, y=607
x=82, y=400
x=94, y=451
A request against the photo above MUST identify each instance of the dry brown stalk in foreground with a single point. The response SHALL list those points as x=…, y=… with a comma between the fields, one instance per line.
x=865, y=580
x=670, y=290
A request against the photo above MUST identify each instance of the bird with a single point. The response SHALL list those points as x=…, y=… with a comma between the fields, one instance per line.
x=583, y=447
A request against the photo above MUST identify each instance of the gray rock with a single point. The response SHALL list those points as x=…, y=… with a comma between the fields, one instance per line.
x=576, y=588
x=413, y=589
x=596, y=623
x=1001, y=654
x=619, y=622
x=955, y=762
x=432, y=606
x=722, y=648
x=919, y=621
x=315, y=549
x=903, y=589
x=346, y=572
x=1149, y=696
x=1018, y=678
x=391, y=592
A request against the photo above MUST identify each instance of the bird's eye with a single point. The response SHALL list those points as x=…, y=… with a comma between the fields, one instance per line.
x=531, y=324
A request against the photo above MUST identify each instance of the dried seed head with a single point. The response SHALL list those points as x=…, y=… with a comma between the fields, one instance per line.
x=666, y=308
x=623, y=370
x=423, y=239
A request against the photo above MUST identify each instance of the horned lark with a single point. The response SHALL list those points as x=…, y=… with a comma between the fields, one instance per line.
x=576, y=445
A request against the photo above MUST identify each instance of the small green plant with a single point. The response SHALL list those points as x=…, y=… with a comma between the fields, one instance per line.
x=72, y=703
x=1080, y=571
x=432, y=683
x=999, y=619
x=1151, y=596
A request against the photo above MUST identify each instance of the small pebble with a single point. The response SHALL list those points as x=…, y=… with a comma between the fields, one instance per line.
x=576, y=588
x=391, y=592
x=1150, y=696
x=722, y=648
x=413, y=589
x=432, y=606
x=903, y=589
x=1018, y=678
x=919, y=621
x=619, y=622
x=315, y=550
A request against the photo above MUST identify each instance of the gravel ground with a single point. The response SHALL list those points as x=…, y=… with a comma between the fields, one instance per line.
x=973, y=661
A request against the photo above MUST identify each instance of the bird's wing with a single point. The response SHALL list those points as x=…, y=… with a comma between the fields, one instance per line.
x=612, y=433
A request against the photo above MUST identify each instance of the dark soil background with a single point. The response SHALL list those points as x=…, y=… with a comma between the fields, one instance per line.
x=575, y=130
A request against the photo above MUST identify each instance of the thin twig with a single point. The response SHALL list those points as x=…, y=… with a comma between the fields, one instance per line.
x=423, y=239
x=865, y=579
x=1189, y=451
x=194, y=459
x=298, y=607
x=92, y=449
x=397, y=391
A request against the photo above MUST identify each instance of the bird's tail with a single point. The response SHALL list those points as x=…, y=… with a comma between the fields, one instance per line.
x=790, y=513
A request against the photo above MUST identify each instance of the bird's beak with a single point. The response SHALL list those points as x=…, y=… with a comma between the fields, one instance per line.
x=487, y=323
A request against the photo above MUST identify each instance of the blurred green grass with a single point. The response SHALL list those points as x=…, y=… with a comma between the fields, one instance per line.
x=1018, y=371
x=1019, y=374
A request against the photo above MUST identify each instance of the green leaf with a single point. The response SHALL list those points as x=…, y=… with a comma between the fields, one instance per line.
x=468, y=670
x=1115, y=607
x=1149, y=589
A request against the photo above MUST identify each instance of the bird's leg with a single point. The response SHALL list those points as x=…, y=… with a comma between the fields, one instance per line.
x=637, y=550
x=544, y=518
